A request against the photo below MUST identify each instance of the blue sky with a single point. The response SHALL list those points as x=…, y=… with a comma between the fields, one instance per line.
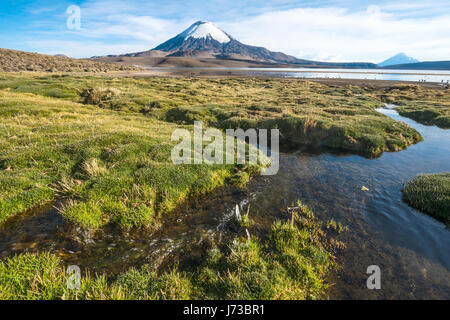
x=322, y=30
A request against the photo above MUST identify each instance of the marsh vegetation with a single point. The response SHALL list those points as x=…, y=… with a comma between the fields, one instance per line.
x=102, y=143
x=429, y=107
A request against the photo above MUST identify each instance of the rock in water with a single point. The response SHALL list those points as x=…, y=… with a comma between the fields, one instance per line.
x=238, y=214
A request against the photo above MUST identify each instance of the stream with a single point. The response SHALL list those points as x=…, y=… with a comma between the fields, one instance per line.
x=411, y=248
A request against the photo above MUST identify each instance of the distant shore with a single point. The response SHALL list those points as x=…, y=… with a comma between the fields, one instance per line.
x=298, y=70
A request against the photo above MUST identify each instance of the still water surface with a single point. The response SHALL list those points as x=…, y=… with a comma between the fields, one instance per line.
x=437, y=76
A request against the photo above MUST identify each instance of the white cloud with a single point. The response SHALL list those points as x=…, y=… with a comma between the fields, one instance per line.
x=373, y=10
x=144, y=28
x=367, y=35
x=84, y=49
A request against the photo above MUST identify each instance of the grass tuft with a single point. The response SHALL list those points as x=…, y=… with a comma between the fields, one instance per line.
x=430, y=193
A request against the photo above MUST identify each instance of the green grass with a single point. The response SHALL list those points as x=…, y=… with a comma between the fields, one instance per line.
x=112, y=167
x=430, y=193
x=42, y=277
x=427, y=115
x=291, y=264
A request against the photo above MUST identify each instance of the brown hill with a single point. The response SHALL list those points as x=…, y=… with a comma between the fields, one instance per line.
x=13, y=61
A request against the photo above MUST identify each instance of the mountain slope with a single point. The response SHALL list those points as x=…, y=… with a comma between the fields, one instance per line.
x=426, y=65
x=399, y=58
x=14, y=61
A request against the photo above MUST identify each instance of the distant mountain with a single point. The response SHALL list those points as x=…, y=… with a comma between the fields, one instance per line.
x=204, y=42
x=399, y=58
x=426, y=65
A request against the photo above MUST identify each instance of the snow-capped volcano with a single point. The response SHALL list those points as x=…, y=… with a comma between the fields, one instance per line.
x=204, y=40
x=399, y=58
x=204, y=30
x=200, y=36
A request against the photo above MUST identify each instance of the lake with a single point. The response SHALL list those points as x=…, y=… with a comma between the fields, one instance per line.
x=436, y=76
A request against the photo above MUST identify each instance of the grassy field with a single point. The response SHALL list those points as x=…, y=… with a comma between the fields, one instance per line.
x=430, y=193
x=291, y=264
x=102, y=143
x=113, y=167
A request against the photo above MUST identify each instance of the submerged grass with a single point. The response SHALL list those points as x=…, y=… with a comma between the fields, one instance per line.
x=430, y=193
x=291, y=264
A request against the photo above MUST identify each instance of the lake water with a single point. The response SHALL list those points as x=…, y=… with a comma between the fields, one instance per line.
x=437, y=76
x=411, y=248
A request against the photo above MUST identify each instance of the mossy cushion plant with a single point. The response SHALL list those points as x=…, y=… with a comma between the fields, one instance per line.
x=430, y=193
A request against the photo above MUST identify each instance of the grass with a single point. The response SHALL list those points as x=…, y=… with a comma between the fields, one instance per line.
x=112, y=167
x=291, y=264
x=42, y=277
x=430, y=193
